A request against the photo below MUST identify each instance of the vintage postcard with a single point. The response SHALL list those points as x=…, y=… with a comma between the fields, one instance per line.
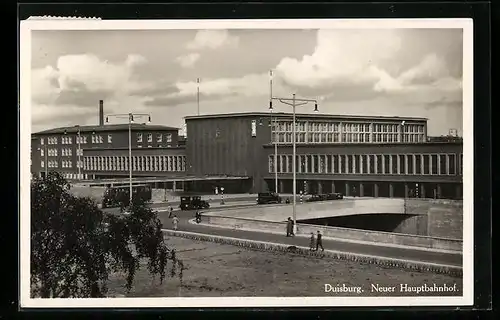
x=246, y=163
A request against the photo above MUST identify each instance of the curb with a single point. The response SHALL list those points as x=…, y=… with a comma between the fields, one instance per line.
x=346, y=256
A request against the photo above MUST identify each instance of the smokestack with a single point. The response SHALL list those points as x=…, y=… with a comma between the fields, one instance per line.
x=101, y=112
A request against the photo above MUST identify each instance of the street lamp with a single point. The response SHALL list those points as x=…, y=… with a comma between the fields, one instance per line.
x=130, y=117
x=294, y=103
x=275, y=131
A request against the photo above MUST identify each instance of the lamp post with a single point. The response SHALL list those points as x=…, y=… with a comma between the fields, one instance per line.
x=130, y=117
x=294, y=103
x=275, y=138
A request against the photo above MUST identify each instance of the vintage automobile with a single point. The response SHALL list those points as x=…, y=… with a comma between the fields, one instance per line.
x=325, y=197
x=119, y=196
x=315, y=197
x=268, y=198
x=335, y=196
x=193, y=203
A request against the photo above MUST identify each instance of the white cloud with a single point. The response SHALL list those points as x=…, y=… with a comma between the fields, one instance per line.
x=188, y=60
x=212, y=39
x=340, y=56
x=83, y=78
x=87, y=70
x=344, y=58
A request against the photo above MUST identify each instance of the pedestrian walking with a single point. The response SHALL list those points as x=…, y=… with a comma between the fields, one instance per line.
x=289, y=227
x=312, y=242
x=319, y=241
x=170, y=211
x=175, y=222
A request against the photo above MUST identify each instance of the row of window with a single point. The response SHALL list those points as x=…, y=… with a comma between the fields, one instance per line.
x=139, y=163
x=325, y=132
x=50, y=164
x=318, y=126
x=66, y=152
x=73, y=176
x=287, y=137
x=64, y=164
x=96, y=139
x=407, y=164
x=159, y=137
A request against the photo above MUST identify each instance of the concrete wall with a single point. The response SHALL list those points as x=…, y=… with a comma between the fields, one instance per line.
x=321, y=209
x=445, y=216
x=339, y=233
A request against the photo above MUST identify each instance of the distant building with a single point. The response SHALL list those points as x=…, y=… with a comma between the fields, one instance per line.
x=66, y=149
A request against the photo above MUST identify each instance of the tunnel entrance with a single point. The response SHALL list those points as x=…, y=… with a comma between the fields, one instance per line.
x=383, y=222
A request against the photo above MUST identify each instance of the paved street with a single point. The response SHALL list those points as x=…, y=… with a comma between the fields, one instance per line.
x=390, y=252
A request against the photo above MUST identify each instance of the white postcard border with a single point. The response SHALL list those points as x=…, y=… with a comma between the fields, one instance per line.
x=25, y=135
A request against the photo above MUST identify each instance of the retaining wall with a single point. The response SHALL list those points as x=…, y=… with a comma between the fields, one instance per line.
x=445, y=216
x=283, y=248
x=339, y=233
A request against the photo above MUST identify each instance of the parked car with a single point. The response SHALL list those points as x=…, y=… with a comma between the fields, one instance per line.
x=315, y=197
x=268, y=198
x=335, y=196
x=193, y=203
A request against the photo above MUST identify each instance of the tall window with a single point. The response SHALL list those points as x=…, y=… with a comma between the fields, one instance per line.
x=402, y=164
x=452, y=164
x=394, y=164
x=159, y=137
x=387, y=164
x=371, y=163
x=42, y=141
x=434, y=164
x=150, y=137
x=110, y=138
x=357, y=164
x=379, y=159
x=139, y=137
x=168, y=137
x=443, y=164
x=427, y=166
x=418, y=164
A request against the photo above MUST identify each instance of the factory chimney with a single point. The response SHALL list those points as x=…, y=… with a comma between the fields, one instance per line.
x=101, y=112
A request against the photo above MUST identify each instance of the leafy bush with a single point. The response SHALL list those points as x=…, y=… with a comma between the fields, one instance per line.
x=75, y=246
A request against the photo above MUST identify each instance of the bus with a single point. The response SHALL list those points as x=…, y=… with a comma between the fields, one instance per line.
x=119, y=196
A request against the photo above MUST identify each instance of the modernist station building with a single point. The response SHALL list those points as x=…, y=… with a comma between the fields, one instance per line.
x=354, y=155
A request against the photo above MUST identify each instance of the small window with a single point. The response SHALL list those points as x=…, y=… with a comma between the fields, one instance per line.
x=159, y=137
x=150, y=137
x=42, y=141
x=110, y=138
x=139, y=137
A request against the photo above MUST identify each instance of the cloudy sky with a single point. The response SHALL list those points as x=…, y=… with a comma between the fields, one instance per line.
x=403, y=72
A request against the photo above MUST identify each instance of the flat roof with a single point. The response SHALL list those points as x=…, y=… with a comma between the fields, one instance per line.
x=302, y=115
x=134, y=149
x=106, y=128
x=351, y=144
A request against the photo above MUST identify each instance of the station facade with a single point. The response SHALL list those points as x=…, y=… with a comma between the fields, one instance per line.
x=354, y=155
x=246, y=152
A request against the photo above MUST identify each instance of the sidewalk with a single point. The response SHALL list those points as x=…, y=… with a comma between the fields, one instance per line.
x=451, y=259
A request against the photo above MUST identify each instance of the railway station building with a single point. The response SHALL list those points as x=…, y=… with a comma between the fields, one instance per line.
x=245, y=152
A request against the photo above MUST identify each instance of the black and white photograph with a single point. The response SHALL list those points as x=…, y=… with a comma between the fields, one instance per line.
x=246, y=163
